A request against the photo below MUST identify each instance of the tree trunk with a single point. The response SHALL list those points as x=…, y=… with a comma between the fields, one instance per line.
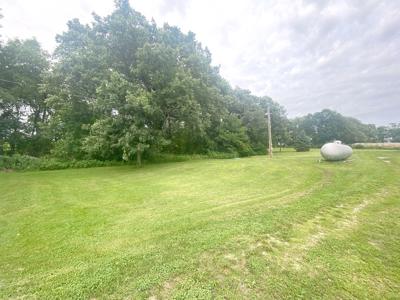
x=139, y=155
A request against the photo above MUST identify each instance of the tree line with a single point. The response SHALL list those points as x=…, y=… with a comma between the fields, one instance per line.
x=122, y=88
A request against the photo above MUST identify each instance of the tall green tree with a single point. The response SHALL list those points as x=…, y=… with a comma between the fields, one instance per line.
x=123, y=127
x=121, y=87
x=252, y=110
x=23, y=109
x=394, y=132
x=301, y=142
x=328, y=125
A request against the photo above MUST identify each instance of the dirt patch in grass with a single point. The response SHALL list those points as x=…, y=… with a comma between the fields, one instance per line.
x=166, y=289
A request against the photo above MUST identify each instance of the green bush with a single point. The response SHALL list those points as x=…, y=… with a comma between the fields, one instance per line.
x=25, y=162
x=167, y=157
x=221, y=155
x=19, y=162
x=53, y=164
x=6, y=148
x=358, y=146
x=302, y=142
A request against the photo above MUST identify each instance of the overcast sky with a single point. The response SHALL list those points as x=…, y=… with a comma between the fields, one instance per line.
x=306, y=55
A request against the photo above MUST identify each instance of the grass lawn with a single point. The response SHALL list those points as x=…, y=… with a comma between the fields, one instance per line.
x=290, y=227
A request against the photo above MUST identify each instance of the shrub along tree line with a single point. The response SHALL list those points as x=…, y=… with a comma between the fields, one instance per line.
x=122, y=88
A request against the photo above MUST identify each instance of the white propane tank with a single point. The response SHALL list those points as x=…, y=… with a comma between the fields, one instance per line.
x=336, y=151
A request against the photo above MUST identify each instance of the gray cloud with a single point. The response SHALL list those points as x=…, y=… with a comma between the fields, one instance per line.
x=307, y=55
x=338, y=55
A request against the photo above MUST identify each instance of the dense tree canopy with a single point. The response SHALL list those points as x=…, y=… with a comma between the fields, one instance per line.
x=389, y=133
x=22, y=104
x=328, y=125
x=122, y=87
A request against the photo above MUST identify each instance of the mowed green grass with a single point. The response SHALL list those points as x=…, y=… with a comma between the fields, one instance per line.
x=290, y=227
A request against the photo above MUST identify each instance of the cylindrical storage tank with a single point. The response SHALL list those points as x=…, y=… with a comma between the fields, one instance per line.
x=336, y=151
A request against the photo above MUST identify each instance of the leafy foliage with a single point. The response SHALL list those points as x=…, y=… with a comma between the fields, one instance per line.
x=328, y=125
x=23, y=109
x=26, y=162
x=302, y=142
x=122, y=88
x=389, y=133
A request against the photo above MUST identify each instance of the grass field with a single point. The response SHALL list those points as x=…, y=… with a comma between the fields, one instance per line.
x=290, y=227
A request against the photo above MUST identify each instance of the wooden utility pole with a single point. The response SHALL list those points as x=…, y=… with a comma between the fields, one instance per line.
x=269, y=133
